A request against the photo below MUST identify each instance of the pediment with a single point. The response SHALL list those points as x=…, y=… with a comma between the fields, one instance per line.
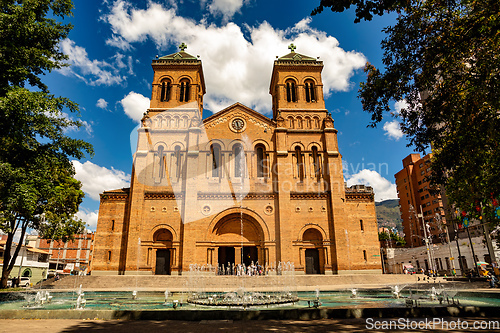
x=239, y=110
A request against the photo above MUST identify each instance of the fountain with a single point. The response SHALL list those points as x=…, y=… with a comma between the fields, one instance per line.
x=248, y=302
x=42, y=296
x=242, y=297
x=315, y=303
x=396, y=291
x=167, y=293
x=80, y=301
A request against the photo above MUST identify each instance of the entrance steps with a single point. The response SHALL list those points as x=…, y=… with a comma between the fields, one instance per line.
x=224, y=283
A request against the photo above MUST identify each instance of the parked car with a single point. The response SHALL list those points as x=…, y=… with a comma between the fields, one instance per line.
x=25, y=282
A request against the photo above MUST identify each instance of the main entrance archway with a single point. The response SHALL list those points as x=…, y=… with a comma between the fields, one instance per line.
x=238, y=239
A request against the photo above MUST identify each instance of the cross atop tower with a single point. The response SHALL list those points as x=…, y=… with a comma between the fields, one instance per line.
x=292, y=48
x=183, y=46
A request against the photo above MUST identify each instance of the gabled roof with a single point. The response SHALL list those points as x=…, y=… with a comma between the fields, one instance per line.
x=120, y=190
x=243, y=108
x=293, y=56
x=181, y=55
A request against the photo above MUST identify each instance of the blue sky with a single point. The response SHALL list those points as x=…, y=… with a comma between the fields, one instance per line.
x=113, y=42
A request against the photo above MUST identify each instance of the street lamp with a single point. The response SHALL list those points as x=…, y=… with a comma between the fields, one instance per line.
x=426, y=239
x=439, y=222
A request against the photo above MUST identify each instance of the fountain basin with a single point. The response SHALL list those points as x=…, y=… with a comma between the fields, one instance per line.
x=369, y=303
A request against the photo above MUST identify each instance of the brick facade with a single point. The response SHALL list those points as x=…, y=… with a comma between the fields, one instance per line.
x=70, y=257
x=418, y=203
x=237, y=187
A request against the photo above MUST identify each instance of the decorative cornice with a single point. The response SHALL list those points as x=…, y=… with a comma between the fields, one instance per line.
x=294, y=63
x=115, y=195
x=359, y=196
x=162, y=196
x=232, y=196
x=308, y=196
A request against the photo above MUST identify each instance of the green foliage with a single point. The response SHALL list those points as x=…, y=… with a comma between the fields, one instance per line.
x=442, y=58
x=394, y=238
x=37, y=185
x=365, y=9
x=29, y=40
x=37, y=188
x=383, y=236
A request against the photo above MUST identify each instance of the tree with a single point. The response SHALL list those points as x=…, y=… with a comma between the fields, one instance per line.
x=37, y=185
x=441, y=58
x=29, y=40
x=365, y=9
x=392, y=236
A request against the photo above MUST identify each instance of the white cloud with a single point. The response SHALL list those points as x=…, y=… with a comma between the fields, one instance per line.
x=85, y=124
x=88, y=217
x=393, y=130
x=235, y=69
x=92, y=72
x=96, y=179
x=400, y=105
x=119, y=42
x=383, y=188
x=226, y=8
x=135, y=105
x=101, y=103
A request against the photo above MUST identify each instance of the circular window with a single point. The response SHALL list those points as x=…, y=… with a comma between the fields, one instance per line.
x=206, y=210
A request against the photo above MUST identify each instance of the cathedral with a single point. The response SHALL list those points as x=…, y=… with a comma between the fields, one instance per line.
x=237, y=187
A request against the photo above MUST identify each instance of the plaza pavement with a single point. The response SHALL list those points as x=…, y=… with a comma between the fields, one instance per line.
x=274, y=326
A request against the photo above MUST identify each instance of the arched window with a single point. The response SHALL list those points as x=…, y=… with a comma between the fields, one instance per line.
x=178, y=161
x=299, y=163
x=290, y=122
x=260, y=151
x=316, y=122
x=291, y=91
x=216, y=162
x=308, y=122
x=166, y=87
x=310, y=91
x=163, y=162
x=299, y=122
x=238, y=161
x=184, y=93
x=316, y=162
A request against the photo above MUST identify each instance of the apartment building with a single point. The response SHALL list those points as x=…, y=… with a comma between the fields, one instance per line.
x=418, y=203
x=72, y=257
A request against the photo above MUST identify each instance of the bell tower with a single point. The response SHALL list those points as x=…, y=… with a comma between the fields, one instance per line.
x=178, y=81
x=296, y=85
